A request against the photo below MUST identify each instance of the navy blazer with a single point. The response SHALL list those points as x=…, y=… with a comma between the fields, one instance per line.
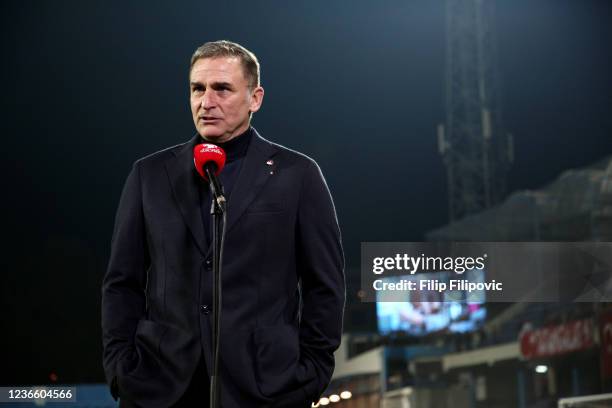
x=283, y=282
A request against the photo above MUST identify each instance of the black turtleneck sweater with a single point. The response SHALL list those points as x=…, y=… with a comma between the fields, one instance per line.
x=235, y=151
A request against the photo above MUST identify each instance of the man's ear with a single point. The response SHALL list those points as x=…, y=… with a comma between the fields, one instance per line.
x=256, y=99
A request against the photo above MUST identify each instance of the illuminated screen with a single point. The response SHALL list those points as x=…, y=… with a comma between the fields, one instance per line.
x=421, y=312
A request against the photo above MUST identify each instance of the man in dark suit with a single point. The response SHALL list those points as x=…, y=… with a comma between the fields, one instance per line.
x=283, y=282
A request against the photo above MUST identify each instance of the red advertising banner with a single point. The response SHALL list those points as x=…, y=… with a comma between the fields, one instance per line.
x=606, y=345
x=556, y=340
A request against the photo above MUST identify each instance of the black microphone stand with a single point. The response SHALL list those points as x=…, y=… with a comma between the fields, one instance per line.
x=218, y=213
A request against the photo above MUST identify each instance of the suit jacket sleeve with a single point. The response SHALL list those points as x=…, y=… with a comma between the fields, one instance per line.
x=321, y=267
x=123, y=288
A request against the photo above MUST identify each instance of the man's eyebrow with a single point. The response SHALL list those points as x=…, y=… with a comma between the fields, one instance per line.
x=221, y=85
x=213, y=85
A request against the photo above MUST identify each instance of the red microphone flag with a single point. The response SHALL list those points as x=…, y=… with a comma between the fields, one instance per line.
x=207, y=152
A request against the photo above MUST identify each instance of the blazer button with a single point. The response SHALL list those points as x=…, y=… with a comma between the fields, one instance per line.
x=208, y=264
x=205, y=309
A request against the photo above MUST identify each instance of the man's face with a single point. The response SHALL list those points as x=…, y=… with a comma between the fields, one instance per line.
x=221, y=101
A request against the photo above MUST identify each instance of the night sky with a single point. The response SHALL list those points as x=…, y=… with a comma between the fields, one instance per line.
x=89, y=87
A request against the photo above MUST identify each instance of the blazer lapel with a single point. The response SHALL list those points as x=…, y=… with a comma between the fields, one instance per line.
x=185, y=184
x=255, y=172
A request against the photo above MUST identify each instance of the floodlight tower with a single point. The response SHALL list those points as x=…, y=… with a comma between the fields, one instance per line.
x=474, y=147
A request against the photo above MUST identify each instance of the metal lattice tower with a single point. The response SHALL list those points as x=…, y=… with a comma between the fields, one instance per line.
x=472, y=142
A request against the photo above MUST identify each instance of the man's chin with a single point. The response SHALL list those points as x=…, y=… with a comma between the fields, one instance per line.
x=215, y=134
x=210, y=133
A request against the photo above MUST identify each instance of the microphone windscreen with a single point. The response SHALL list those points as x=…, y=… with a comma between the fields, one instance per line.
x=208, y=152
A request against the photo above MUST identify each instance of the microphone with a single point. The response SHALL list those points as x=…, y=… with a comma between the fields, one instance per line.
x=209, y=160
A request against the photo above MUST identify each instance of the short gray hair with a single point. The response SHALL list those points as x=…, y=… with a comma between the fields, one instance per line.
x=224, y=48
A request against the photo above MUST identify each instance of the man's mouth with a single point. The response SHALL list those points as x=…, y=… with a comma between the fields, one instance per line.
x=208, y=119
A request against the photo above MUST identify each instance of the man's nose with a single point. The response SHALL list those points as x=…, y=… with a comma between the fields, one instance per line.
x=208, y=100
